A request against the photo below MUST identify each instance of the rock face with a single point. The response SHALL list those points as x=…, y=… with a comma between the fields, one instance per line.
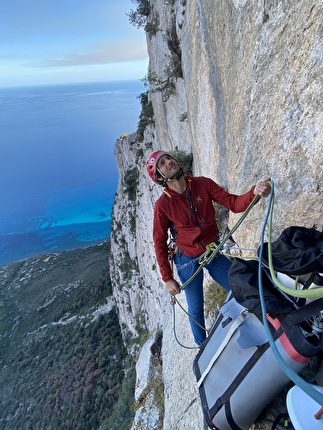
x=242, y=92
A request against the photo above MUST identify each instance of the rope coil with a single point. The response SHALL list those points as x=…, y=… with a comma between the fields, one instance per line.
x=293, y=376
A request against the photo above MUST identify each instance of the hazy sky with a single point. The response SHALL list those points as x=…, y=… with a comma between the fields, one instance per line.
x=56, y=41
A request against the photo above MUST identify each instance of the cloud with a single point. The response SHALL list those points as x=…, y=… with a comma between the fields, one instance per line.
x=104, y=53
x=66, y=41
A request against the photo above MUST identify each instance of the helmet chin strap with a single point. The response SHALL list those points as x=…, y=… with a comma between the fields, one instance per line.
x=173, y=178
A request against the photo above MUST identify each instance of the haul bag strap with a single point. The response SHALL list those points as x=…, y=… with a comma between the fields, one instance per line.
x=302, y=314
x=223, y=344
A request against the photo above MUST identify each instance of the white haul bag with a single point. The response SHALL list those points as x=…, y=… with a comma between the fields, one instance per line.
x=237, y=373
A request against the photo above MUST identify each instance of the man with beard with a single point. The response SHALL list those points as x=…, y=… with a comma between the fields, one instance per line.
x=186, y=209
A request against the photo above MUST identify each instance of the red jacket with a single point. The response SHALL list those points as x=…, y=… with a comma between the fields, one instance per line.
x=191, y=216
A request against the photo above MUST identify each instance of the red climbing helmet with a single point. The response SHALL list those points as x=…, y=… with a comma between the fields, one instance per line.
x=151, y=163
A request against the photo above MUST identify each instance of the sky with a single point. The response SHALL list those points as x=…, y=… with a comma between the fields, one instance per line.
x=64, y=41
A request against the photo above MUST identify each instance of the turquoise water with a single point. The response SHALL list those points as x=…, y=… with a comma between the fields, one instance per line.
x=58, y=174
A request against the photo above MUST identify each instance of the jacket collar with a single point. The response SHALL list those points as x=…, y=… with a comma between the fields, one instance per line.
x=172, y=194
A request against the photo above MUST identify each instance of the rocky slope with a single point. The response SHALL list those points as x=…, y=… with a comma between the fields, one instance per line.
x=237, y=83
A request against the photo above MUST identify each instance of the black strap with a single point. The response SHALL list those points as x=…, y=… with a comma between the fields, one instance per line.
x=309, y=281
x=229, y=417
x=302, y=314
x=285, y=417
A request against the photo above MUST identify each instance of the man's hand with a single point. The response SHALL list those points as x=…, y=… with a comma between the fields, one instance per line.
x=173, y=287
x=263, y=187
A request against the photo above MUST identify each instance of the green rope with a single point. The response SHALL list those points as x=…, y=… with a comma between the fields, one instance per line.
x=308, y=389
x=174, y=299
x=173, y=302
x=314, y=293
x=212, y=249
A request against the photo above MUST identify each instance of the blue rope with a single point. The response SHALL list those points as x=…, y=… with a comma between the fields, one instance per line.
x=307, y=388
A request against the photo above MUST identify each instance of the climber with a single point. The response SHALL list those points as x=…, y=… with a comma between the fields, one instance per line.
x=185, y=208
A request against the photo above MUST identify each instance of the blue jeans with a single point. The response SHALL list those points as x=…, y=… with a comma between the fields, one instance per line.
x=186, y=266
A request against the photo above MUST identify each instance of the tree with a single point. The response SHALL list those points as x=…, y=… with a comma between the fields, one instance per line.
x=138, y=17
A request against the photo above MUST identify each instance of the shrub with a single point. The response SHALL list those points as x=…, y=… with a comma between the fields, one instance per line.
x=183, y=117
x=165, y=86
x=138, y=17
x=184, y=159
x=146, y=116
x=151, y=27
x=131, y=183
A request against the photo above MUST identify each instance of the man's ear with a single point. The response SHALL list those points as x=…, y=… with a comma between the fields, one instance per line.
x=158, y=177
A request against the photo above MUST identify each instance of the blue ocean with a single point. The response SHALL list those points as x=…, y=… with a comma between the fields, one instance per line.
x=58, y=173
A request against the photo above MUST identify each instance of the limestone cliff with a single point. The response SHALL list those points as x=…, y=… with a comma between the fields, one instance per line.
x=237, y=83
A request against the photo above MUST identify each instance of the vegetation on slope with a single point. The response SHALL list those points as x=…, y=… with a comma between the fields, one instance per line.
x=63, y=363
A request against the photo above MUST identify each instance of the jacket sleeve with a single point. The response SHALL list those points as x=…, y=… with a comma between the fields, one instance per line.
x=230, y=201
x=160, y=236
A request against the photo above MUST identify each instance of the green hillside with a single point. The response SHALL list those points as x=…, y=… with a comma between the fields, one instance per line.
x=62, y=361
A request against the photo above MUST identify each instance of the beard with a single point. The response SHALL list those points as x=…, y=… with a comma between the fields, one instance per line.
x=177, y=175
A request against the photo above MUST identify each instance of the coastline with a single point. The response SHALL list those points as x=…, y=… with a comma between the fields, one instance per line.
x=18, y=247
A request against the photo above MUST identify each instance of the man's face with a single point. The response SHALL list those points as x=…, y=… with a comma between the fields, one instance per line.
x=168, y=166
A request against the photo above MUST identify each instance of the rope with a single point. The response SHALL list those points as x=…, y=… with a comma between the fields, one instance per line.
x=307, y=388
x=212, y=249
x=173, y=302
x=314, y=293
x=174, y=325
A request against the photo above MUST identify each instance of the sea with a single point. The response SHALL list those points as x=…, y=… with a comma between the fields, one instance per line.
x=58, y=173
